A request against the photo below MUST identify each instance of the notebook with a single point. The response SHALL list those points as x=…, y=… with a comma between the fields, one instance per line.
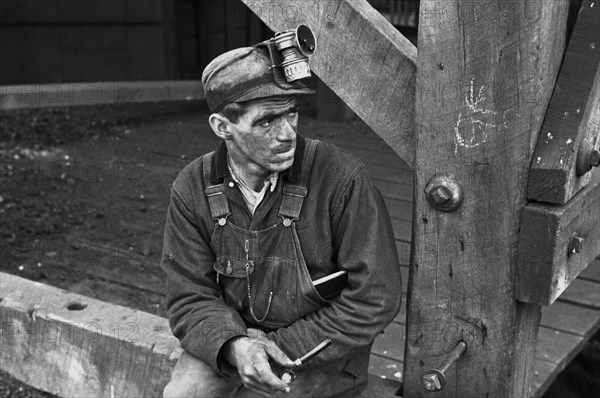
x=331, y=285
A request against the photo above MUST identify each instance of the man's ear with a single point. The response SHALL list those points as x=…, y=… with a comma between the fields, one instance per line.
x=220, y=125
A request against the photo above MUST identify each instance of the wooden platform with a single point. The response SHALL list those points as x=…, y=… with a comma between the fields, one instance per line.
x=566, y=325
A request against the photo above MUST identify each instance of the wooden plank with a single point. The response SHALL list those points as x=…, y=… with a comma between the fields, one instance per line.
x=573, y=115
x=401, y=317
x=542, y=377
x=393, y=190
x=391, y=174
x=72, y=345
x=380, y=388
x=399, y=209
x=556, y=347
x=570, y=318
x=355, y=134
x=461, y=283
x=555, y=351
x=583, y=292
x=546, y=266
x=385, y=368
x=402, y=229
x=403, y=249
x=404, y=287
x=592, y=271
x=361, y=57
x=390, y=343
x=97, y=349
x=73, y=94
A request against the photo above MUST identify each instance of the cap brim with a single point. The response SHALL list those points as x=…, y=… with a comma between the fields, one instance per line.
x=272, y=90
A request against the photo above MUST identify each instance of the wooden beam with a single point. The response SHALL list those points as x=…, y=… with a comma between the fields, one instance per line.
x=361, y=57
x=501, y=59
x=75, y=94
x=573, y=115
x=74, y=346
x=550, y=256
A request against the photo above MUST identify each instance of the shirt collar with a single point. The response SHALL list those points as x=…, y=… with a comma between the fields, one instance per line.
x=237, y=174
x=220, y=168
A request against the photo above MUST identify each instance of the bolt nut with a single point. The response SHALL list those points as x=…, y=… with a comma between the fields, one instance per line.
x=595, y=158
x=441, y=195
x=587, y=158
x=444, y=193
x=432, y=381
x=575, y=245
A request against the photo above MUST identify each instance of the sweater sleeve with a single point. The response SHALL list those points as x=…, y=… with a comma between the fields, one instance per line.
x=363, y=242
x=198, y=315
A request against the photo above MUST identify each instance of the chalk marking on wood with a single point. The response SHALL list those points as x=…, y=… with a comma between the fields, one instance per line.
x=479, y=120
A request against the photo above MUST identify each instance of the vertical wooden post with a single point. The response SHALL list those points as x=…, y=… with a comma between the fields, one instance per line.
x=486, y=70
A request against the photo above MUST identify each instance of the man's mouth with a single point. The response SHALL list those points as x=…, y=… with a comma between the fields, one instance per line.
x=282, y=150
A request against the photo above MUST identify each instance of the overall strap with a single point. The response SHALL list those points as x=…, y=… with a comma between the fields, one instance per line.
x=293, y=195
x=217, y=201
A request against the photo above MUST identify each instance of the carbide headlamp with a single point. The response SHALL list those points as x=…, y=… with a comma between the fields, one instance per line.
x=290, y=51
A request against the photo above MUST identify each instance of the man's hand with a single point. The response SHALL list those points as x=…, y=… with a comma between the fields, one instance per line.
x=250, y=355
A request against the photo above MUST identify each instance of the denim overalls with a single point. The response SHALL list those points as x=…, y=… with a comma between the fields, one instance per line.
x=264, y=277
x=263, y=273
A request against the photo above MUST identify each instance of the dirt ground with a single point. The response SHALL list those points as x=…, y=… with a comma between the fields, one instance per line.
x=83, y=199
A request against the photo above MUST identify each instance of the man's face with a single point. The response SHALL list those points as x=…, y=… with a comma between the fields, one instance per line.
x=264, y=138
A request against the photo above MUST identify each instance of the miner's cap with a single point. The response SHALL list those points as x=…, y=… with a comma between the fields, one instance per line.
x=242, y=75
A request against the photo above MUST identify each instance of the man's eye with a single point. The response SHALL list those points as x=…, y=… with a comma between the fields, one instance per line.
x=293, y=112
x=266, y=123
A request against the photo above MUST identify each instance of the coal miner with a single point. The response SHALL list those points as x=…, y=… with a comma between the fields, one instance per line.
x=279, y=253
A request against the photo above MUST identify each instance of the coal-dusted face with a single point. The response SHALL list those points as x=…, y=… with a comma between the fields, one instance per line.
x=264, y=139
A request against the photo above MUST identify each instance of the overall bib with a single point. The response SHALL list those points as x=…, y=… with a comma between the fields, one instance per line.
x=265, y=278
x=263, y=273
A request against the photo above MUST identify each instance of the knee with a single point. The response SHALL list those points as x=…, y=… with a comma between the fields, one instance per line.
x=193, y=378
x=178, y=390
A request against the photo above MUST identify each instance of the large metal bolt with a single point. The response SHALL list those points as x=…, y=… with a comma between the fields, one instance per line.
x=441, y=195
x=575, y=245
x=444, y=193
x=587, y=157
x=595, y=158
x=435, y=379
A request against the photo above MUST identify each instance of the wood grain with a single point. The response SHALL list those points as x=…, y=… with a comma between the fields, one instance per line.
x=101, y=350
x=461, y=285
x=94, y=349
x=573, y=115
x=545, y=266
x=361, y=57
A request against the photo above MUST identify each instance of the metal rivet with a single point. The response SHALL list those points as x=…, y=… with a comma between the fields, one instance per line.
x=231, y=184
x=444, y=193
x=222, y=221
x=287, y=222
x=229, y=268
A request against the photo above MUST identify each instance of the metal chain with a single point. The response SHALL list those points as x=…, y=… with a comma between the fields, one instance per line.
x=250, y=298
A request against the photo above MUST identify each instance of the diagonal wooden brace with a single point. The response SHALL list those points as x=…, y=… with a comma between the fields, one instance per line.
x=571, y=129
x=361, y=57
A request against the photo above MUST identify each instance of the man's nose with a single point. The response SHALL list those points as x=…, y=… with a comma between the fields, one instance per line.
x=287, y=132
